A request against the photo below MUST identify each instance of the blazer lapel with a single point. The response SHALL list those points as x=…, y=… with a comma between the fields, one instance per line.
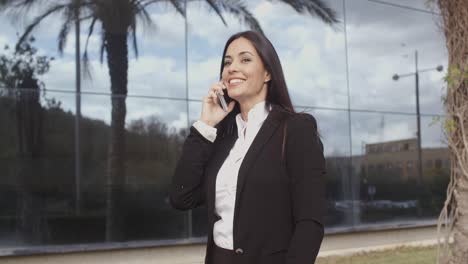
x=269, y=126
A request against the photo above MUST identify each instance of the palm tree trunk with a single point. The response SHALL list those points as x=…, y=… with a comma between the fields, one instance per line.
x=117, y=60
x=455, y=212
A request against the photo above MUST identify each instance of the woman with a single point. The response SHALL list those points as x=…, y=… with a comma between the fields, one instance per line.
x=258, y=166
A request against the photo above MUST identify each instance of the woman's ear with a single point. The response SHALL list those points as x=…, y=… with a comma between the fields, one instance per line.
x=267, y=77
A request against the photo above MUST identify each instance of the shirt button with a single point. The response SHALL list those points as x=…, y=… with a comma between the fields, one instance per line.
x=239, y=251
x=181, y=187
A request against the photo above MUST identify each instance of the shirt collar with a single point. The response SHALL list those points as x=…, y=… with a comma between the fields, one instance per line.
x=256, y=116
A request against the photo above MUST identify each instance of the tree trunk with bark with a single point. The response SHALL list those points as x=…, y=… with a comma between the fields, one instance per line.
x=453, y=221
x=117, y=59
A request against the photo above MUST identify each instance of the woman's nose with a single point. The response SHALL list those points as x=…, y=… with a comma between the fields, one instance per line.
x=233, y=67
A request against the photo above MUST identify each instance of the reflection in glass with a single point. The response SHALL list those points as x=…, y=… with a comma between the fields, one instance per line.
x=36, y=163
x=313, y=63
x=333, y=129
x=391, y=188
x=155, y=141
x=375, y=56
x=121, y=192
x=198, y=215
x=38, y=205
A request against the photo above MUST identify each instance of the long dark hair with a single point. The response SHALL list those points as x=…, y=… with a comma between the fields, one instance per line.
x=277, y=93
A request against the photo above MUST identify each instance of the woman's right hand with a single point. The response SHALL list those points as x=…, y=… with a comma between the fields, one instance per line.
x=212, y=112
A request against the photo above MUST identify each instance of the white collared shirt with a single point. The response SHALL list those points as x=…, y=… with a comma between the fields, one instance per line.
x=226, y=181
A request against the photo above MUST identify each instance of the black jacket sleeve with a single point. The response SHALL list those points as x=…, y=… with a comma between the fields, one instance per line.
x=187, y=187
x=305, y=164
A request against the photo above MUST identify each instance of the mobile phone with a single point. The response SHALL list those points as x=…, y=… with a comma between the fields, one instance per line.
x=222, y=101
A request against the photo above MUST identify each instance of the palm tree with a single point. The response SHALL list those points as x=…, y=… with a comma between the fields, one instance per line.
x=118, y=21
x=454, y=215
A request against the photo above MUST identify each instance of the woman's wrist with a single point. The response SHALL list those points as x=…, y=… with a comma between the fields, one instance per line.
x=205, y=130
x=209, y=123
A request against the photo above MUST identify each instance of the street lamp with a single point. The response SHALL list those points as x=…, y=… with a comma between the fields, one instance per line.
x=78, y=109
x=418, y=132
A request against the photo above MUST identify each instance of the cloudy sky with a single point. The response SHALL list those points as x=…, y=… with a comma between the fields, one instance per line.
x=378, y=41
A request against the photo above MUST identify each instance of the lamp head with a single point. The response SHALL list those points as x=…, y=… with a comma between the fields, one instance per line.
x=395, y=77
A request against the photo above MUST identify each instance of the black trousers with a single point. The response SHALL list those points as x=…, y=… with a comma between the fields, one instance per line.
x=224, y=256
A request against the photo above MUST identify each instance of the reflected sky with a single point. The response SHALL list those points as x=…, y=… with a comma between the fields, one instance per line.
x=381, y=40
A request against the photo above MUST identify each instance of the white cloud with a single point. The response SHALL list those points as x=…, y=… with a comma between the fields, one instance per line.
x=4, y=41
x=334, y=40
x=98, y=111
x=180, y=122
x=94, y=44
x=202, y=75
x=169, y=30
x=209, y=27
x=61, y=75
x=157, y=76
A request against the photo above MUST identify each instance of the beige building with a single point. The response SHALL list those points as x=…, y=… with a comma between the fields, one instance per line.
x=400, y=158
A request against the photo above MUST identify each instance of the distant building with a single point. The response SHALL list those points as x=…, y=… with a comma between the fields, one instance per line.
x=401, y=158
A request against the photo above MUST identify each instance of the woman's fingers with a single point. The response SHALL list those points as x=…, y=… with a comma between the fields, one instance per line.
x=212, y=99
x=206, y=99
x=214, y=96
x=231, y=106
x=218, y=86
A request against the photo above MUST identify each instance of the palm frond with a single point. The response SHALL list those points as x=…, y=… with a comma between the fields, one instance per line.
x=5, y=4
x=143, y=15
x=37, y=21
x=86, y=66
x=315, y=8
x=216, y=8
x=68, y=17
x=239, y=10
x=23, y=5
x=134, y=37
x=249, y=19
x=63, y=34
x=178, y=6
x=103, y=46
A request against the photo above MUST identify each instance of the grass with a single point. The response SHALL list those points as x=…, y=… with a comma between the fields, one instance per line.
x=400, y=255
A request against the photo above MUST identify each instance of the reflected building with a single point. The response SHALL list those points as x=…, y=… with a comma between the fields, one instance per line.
x=400, y=158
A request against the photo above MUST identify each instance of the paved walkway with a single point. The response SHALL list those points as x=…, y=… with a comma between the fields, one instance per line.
x=333, y=244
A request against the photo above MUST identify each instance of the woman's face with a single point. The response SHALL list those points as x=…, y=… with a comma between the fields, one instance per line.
x=244, y=73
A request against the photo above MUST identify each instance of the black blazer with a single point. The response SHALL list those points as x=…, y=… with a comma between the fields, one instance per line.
x=280, y=201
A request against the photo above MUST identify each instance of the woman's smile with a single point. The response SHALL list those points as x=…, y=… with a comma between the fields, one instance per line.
x=234, y=82
x=244, y=74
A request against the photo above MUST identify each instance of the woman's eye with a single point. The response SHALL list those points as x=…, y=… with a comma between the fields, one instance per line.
x=245, y=60
x=226, y=63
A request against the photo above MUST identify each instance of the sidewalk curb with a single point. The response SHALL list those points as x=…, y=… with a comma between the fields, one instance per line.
x=351, y=251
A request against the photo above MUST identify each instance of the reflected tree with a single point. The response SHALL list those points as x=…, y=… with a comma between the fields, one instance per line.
x=19, y=73
x=118, y=21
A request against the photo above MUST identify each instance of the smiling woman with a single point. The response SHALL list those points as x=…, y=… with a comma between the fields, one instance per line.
x=258, y=166
x=77, y=183
x=245, y=74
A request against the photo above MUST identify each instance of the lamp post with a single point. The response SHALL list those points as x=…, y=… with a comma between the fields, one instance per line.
x=396, y=77
x=78, y=109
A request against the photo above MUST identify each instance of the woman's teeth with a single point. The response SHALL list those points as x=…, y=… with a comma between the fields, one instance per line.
x=236, y=81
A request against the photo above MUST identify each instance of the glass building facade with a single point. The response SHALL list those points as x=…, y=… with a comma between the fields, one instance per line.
x=69, y=181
